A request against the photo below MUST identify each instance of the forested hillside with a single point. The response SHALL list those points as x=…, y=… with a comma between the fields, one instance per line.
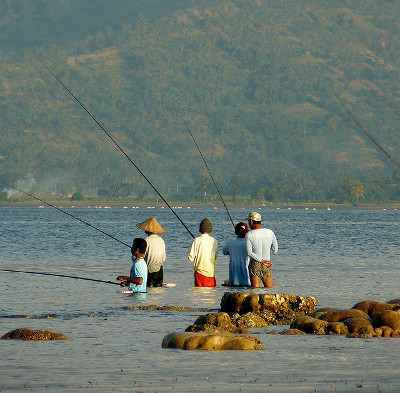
x=257, y=82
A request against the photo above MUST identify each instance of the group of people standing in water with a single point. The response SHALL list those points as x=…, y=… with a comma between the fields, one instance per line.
x=249, y=256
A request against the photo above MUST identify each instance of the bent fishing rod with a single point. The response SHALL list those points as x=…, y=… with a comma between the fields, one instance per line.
x=215, y=184
x=367, y=133
x=59, y=275
x=113, y=140
x=68, y=214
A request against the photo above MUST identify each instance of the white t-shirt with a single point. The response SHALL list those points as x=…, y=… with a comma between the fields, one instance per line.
x=259, y=242
x=203, y=253
x=155, y=253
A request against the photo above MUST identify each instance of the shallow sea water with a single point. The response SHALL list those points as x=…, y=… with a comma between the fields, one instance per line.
x=340, y=256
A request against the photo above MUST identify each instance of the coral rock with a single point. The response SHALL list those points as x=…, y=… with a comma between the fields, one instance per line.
x=28, y=334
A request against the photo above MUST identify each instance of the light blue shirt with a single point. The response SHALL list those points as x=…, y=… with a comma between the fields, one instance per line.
x=238, y=273
x=259, y=242
x=139, y=269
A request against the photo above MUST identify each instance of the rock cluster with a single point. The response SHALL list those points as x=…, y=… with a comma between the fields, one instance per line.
x=252, y=310
x=365, y=319
x=28, y=334
x=239, y=311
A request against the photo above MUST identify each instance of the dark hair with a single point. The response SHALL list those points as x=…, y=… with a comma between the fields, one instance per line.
x=139, y=243
x=241, y=229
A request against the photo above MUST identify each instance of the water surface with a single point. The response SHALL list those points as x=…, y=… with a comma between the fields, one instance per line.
x=340, y=256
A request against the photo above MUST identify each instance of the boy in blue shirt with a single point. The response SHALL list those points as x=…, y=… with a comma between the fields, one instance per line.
x=137, y=281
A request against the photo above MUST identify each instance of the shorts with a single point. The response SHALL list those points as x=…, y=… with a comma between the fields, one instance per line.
x=155, y=279
x=203, y=281
x=257, y=269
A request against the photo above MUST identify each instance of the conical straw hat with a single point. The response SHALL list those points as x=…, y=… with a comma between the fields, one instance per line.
x=151, y=225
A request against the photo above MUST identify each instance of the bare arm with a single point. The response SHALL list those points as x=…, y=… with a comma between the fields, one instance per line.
x=125, y=280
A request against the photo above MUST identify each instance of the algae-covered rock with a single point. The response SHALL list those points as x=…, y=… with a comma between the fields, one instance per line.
x=244, y=302
x=250, y=320
x=215, y=322
x=28, y=334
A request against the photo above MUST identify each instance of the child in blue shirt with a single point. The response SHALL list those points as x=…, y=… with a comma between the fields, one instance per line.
x=137, y=281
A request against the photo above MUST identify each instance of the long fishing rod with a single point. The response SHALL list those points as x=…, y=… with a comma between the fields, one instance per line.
x=113, y=140
x=367, y=133
x=68, y=214
x=58, y=275
x=215, y=184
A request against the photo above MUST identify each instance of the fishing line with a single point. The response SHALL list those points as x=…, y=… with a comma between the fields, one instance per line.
x=366, y=132
x=113, y=140
x=59, y=275
x=215, y=184
x=68, y=214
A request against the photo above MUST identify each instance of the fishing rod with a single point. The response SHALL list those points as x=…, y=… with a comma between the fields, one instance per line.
x=113, y=140
x=68, y=214
x=59, y=275
x=215, y=184
x=367, y=133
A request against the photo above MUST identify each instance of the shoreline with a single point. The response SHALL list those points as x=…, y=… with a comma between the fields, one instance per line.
x=188, y=205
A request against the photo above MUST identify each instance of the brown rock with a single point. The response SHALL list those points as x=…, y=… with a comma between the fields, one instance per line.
x=212, y=323
x=28, y=334
x=386, y=331
x=378, y=332
x=337, y=328
x=395, y=333
x=354, y=324
x=363, y=306
x=231, y=302
x=394, y=301
x=241, y=330
x=177, y=339
x=250, y=304
x=250, y=320
x=387, y=318
x=301, y=321
x=339, y=316
x=219, y=343
x=293, y=332
x=322, y=311
x=376, y=308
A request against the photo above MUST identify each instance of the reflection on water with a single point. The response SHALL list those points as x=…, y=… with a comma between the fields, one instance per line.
x=339, y=256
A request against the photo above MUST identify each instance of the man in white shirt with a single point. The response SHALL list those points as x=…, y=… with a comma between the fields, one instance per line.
x=155, y=253
x=203, y=253
x=259, y=242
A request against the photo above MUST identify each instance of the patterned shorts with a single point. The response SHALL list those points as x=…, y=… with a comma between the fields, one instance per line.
x=258, y=269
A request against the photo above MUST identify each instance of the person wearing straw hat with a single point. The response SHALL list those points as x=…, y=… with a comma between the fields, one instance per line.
x=155, y=253
x=203, y=253
x=259, y=242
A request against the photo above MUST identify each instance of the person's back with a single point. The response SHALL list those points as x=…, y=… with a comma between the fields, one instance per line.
x=155, y=254
x=203, y=253
x=259, y=242
x=237, y=251
x=238, y=260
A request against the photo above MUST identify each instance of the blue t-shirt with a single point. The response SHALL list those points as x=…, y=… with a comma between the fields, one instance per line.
x=139, y=269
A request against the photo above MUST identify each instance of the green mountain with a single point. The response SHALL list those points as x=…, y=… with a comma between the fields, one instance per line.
x=257, y=82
